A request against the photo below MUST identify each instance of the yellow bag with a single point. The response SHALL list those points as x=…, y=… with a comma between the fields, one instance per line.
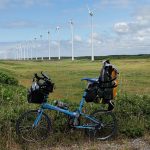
x=114, y=76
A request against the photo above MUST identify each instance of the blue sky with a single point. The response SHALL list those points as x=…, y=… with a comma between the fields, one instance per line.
x=120, y=26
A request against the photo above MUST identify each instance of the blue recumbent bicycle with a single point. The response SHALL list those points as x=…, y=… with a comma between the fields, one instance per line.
x=35, y=125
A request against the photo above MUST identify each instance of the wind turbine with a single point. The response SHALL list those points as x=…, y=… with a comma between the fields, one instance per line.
x=35, y=48
x=49, y=48
x=21, y=52
x=26, y=54
x=27, y=50
x=17, y=53
x=57, y=29
x=72, y=39
x=30, y=49
x=91, y=15
x=41, y=44
x=24, y=51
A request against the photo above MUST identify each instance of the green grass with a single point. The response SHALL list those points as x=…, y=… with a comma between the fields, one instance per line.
x=132, y=101
x=134, y=75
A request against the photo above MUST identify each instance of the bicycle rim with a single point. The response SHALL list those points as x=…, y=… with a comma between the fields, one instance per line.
x=106, y=128
x=26, y=131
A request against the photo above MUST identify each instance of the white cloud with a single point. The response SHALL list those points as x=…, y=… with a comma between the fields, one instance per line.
x=98, y=39
x=121, y=27
x=141, y=19
x=54, y=43
x=134, y=36
x=140, y=38
x=77, y=38
x=95, y=35
x=142, y=13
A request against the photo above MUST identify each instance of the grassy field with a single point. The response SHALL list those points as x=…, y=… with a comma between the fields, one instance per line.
x=132, y=101
x=134, y=75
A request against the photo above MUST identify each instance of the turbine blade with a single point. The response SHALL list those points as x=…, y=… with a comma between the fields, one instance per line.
x=88, y=9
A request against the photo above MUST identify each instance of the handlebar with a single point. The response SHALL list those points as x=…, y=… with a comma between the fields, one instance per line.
x=44, y=77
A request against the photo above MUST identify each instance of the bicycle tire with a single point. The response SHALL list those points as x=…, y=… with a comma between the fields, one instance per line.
x=25, y=130
x=107, y=127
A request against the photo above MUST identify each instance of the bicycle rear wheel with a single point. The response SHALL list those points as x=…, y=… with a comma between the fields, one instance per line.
x=106, y=128
x=26, y=131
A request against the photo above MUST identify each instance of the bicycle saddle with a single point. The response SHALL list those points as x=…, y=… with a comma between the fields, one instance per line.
x=93, y=80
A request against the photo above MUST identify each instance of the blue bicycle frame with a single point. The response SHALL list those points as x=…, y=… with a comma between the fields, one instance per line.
x=75, y=114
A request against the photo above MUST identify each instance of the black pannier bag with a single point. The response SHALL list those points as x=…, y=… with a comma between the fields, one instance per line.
x=92, y=93
x=47, y=87
x=36, y=97
x=38, y=92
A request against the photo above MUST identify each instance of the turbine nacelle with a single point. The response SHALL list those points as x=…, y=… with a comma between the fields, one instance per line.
x=91, y=13
x=57, y=28
x=71, y=22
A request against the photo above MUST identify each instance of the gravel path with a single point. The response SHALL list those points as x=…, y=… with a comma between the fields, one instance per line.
x=117, y=144
x=133, y=144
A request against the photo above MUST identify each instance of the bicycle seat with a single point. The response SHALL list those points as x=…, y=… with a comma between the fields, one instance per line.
x=93, y=80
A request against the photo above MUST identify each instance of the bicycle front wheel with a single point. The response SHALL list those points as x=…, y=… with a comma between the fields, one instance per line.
x=106, y=128
x=26, y=130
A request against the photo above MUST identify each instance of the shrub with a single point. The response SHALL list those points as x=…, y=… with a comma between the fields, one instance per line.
x=7, y=79
x=132, y=113
x=133, y=131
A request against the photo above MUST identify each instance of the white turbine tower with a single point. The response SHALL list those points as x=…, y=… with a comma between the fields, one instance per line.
x=30, y=49
x=57, y=29
x=58, y=32
x=24, y=51
x=27, y=50
x=17, y=53
x=49, y=47
x=21, y=51
x=91, y=15
x=72, y=38
x=35, y=52
x=41, y=45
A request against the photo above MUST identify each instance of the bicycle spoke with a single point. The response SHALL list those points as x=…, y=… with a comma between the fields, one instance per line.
x=106, y=127
x=29, y=133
